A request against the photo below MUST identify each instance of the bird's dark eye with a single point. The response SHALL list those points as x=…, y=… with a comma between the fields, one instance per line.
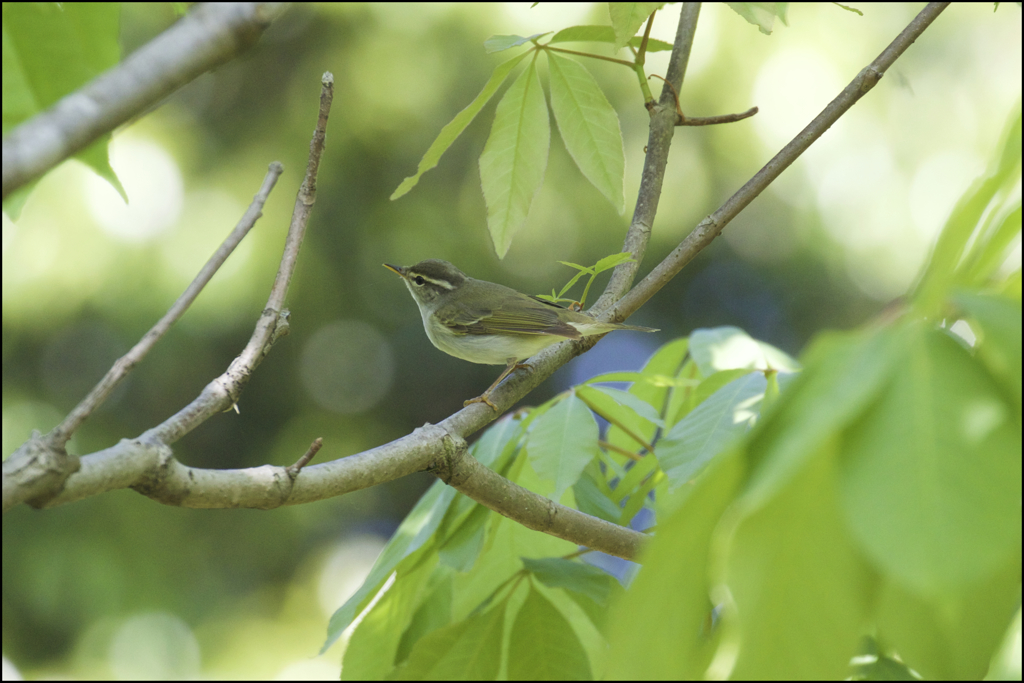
x=419, y=280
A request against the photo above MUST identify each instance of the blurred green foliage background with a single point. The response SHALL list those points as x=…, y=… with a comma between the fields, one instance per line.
x=118, y=586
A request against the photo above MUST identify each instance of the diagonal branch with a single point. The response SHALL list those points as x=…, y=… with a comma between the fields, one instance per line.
x=713, y=225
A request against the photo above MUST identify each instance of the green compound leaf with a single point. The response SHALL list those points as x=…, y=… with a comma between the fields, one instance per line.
x=467, y=650
x=514, y=159
x=710, y=428
x=578, y=577
x=49, y=51
x=931, y=472
x=589, y=127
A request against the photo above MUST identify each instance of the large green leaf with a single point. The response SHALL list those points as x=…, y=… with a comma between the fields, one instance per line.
x=505, y=545
x=563, y=440
x=467, y=650
x=970, y=244
x=573, y=576
x=629, y=401
x=371, y=650
x=405, y=549
x=802, y=591
x=514, y=158
x=604, y=34
x=593, y=496
x=50, y=50
x=710, y=428
x=628, y=425
x=999, y=344
x=931, y=473
x=589, y=127
x=502, y=43
x=844, y=374
x=761, y=14
x=434, y=611
x=628, y=17
x=543, y=644
x=952, y=636
x=730, y=348
x=659, y=629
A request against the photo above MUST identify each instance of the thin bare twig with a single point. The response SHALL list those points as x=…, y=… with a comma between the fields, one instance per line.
x=293, y=471
x=62, y=432
x=41, y=465
x=45, y=476
x=684, y=120
x=659, y=141
x=223, y=392
x=714, y=120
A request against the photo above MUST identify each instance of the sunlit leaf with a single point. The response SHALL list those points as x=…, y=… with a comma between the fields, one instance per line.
x=562, y=442
x=467, y=650
x=965, y=222
x=802, y=589
x=499, y=43
x=604, y=34
x=999, y=348
x=760, y=14
x=710, y=428
x=514, y=158
x=51, y=50
x=955, y=635
x=728, y=348
x=628, y=17
x=407, y=544
x=634, y=403
x=657, y=630
x=454, y=128
x=931, y=473
x=375, y=641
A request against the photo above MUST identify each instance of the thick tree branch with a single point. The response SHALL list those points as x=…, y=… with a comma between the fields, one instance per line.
x=461, y=471
x=209, y=35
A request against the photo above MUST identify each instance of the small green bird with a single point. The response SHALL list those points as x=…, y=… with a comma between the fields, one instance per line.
x=484, y=322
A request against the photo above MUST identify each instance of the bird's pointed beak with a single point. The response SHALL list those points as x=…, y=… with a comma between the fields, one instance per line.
x=399, y=270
